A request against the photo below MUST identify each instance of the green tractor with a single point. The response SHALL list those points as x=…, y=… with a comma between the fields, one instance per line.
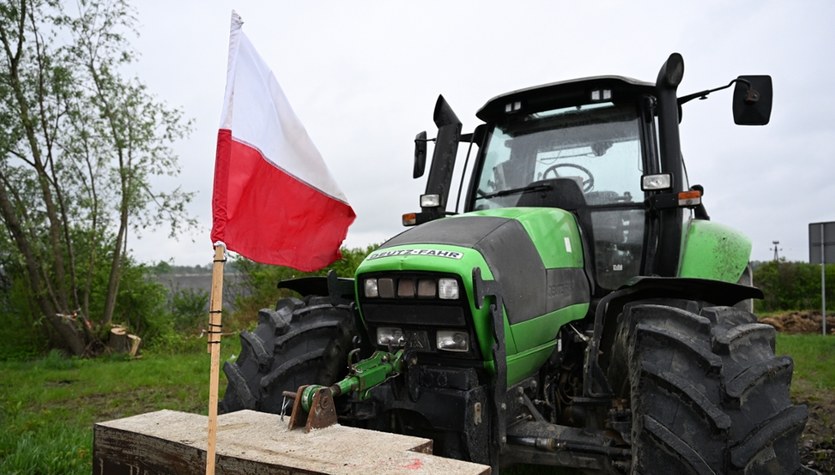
x=582, y=311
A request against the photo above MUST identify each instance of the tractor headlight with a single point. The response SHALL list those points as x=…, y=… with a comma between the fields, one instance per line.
x=410, y=287
x=390, y=336
x=371, y=289
x=448, y=289
x=383, y=288
x=453, y=340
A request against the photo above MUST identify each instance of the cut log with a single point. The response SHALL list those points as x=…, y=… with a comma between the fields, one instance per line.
x=135, y=341
x=120, y=341
x=250, y=442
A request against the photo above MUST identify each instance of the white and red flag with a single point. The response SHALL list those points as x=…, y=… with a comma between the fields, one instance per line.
x=274, y=199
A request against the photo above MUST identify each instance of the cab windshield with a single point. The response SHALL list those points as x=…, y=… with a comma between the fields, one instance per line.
x=595, y=146
x=598, y=145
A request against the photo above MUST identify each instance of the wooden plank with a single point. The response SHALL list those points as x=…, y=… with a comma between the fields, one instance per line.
x=254, y=443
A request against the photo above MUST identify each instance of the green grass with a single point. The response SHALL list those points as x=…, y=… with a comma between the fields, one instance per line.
x=814, y=362
x=48, y=406
x=813, y=384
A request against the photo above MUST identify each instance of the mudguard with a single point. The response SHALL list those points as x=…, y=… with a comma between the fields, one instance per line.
x=339, y=289
x=713, y=251
x=717, y=292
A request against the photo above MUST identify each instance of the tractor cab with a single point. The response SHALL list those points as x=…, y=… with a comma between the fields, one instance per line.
x=582, y=146
x=604, y=148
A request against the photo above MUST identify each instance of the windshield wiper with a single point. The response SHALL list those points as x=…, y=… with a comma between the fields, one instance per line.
x=514, y=191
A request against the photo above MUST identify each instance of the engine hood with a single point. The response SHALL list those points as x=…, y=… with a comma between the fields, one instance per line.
x=535, y=254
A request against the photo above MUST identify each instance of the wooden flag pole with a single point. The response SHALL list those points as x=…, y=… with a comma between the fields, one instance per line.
x=215, y=328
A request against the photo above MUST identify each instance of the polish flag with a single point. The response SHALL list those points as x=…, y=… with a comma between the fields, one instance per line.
x=274, y=199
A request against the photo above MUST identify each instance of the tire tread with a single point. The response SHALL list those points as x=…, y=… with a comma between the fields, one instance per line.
x=298, y=342
x=707, y=393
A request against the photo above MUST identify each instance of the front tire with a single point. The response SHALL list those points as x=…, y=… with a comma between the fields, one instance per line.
x=707, y=394
x=298, y=343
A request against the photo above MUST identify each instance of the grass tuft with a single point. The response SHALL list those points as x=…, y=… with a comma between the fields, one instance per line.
x=48, y=406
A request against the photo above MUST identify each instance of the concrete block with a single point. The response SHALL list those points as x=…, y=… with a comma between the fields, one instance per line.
x=254, y=443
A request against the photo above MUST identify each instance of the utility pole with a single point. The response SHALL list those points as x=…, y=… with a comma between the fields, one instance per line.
x=775, y=249
x=818, y=244
x=823, y=280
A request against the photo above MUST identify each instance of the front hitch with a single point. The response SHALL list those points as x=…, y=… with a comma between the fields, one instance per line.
x=313, y=405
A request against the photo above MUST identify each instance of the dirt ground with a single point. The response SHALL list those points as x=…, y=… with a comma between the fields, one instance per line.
x=817, y=446
x=801, y=322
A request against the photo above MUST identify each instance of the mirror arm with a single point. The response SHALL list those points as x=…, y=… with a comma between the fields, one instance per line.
x=752, y=96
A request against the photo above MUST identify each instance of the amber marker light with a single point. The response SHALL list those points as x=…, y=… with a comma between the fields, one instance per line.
x=690, y=198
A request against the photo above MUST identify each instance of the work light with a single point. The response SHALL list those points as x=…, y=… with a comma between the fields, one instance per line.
x=453, y=340
x=390, y=336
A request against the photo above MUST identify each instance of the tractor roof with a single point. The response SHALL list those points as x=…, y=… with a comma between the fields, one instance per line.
x=562, y=94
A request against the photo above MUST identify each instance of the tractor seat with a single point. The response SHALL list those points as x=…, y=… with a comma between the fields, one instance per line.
x=564, y=193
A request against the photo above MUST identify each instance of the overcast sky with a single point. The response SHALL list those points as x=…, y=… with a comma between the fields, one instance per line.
x=363, y=77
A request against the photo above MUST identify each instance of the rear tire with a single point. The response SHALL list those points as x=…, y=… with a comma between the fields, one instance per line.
x=298, y=343
x=707, y=394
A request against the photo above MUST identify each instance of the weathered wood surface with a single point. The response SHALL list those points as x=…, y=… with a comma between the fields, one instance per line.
x=253, y=443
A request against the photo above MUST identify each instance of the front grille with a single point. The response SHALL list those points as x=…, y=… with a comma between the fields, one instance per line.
x=418, y=316
x=404, y=314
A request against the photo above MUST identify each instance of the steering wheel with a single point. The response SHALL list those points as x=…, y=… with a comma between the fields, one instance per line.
x=588, y=183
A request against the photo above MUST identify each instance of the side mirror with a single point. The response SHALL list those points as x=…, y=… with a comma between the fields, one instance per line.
x=752, y=100
x=420, y=155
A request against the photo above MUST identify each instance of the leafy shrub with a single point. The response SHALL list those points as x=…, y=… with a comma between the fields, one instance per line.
x=23, y=336
x=189, y=308
x=141, y=304
x=793, y=286
x=175, y=343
